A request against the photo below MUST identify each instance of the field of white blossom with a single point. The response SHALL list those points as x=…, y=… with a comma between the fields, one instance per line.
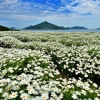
x=49, y=66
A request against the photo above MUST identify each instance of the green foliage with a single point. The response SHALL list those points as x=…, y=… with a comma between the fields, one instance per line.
x=2, y=28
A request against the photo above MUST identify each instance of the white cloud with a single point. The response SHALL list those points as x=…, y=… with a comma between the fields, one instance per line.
x=9, y=1
x=85, y=6
x=18, y=10
x=19, y=7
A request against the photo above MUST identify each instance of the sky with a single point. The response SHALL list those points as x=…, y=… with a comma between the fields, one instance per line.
x=67, y=13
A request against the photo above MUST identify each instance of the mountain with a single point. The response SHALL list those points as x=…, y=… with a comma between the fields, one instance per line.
x=47, y=25
x=77, y=27
x=3, y=28
x=14, y=29
x=44, y=25
x=98, y=28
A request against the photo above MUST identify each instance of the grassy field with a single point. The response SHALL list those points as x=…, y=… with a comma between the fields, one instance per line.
x=49, y=66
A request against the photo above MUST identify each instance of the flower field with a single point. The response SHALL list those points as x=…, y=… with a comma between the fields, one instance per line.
x=49, y=66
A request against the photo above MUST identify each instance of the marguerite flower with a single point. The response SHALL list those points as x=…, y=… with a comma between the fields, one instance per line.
x=44, y=95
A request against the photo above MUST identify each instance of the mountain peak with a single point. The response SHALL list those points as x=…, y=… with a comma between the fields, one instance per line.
x=44, y=25
x=45, y=22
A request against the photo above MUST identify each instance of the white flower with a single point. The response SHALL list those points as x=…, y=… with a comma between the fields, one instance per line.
x=83, y=92
x=35, y=84
x=44, y=95
x=24, y=96
x=86, y=75
x=22, y=82
x=56, y=72
x=1, y=90
x=14, y=82
x=36, y=98
x=51, y=75
x=10, y=70
x=25, y=69
x=4, y=72
x=96, y=98
x=78, y=93
x=8, y=80
x=89, y=99
x=74, y=96
x=95, y=85
x=14, y=94
x=16, y=87
x=53, y=94
x=19, y=52
x=31, y=90
x=46, y=72
x=65, y=66
x=91, y=91
x=28, y=65
x=86, y=88
x=36, y=72
x=6, y=95
x=23, y=75
x=60, y=96
x=52, y=99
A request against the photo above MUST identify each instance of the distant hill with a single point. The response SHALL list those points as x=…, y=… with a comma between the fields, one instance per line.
x=47, y=25
x=77, y=27
x=14, y=29
x=3, y=28
x=44, y=25
x=98, y=28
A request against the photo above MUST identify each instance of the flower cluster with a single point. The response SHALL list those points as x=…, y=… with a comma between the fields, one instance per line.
x=49, y=66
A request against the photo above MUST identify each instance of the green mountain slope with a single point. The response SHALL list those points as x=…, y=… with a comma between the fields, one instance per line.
x=3, y=28
x=44, y=25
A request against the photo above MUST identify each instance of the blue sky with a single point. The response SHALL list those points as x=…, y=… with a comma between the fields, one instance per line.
x=67, y=13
